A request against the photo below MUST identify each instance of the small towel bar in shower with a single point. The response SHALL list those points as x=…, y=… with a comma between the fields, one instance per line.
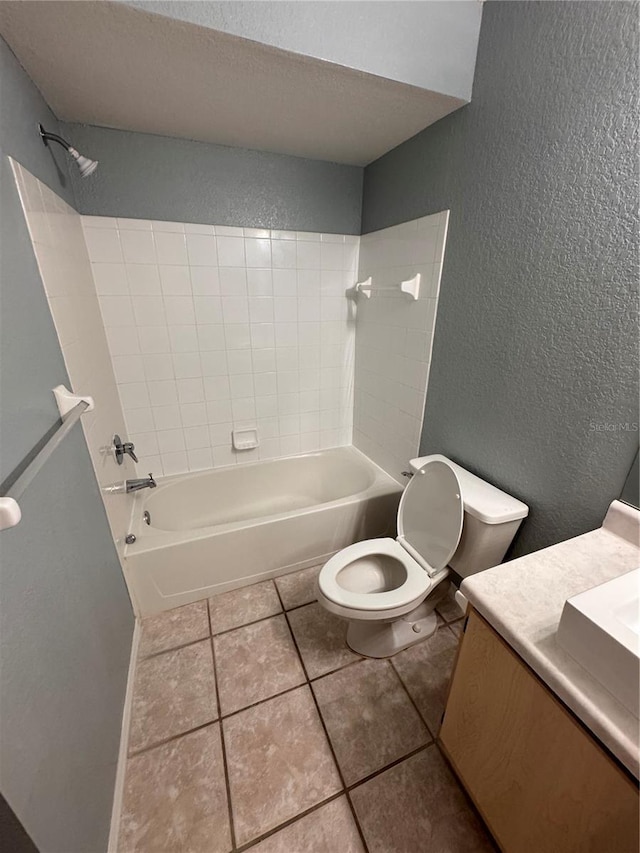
x=71, y=408
x=411, y=287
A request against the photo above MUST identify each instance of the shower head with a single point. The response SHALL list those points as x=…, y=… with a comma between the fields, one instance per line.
x=86, y=166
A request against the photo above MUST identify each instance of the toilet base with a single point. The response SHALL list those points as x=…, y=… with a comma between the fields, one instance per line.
x=383, y=639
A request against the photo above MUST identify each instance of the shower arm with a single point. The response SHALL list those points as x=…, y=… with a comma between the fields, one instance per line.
x=53, y=137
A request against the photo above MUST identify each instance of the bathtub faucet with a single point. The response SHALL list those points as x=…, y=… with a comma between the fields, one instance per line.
x=143, y=483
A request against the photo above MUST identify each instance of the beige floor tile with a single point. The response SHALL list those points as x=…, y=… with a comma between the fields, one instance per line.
x=425, y=670
x=298, y=588
x=255, y=662
x=418, y=806
x=329, y=829
x=174, y=628
x=174, y=692
x=242, y=606
x=321, y=639
x=369, y=717
x=175, y=798
x=279, y=763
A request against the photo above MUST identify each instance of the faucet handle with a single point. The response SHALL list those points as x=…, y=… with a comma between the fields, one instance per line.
x=121, y=448
x=129, y=447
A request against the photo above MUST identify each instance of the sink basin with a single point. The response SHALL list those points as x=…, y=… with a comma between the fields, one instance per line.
x=600, y=628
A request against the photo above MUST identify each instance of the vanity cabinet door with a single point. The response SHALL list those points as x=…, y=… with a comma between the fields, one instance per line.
x=541, y=782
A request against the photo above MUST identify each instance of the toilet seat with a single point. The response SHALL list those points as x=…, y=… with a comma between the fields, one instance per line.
x=386, y=578
x=412, y=590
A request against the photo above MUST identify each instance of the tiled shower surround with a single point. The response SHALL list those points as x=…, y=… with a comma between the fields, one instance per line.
x=214, y=328
x=189, y=331
x=61, y=253
x=394, y=339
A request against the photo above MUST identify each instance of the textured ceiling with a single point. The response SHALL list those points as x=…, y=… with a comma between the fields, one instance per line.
x=107, y=64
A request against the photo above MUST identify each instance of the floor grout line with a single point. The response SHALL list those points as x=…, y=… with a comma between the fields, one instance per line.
x=167, y=740
x=411, y=699
x=326, y=734
x=142, y=658
x=393, y=763
x=250, y=844
x=225, y=768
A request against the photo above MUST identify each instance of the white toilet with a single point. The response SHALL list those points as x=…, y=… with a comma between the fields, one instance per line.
x=385, y=588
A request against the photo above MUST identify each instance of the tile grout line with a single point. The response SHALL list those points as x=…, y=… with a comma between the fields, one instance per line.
x=171, y=739
x=177, y=648
x=411, y=699
x=326, y=734
x=258, y=839
x=225, y=769
x=392, y=764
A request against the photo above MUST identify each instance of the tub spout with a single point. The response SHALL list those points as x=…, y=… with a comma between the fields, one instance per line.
x=143, y=483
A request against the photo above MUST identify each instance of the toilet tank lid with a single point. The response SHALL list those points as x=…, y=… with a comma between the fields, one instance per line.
x=481, y=500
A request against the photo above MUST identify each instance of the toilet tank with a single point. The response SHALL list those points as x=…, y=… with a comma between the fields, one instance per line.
x=491, y=520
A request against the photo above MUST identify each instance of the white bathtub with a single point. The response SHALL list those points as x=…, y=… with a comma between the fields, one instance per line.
x=217, y=530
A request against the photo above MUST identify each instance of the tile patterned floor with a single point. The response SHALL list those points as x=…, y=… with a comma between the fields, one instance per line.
x=255, y=728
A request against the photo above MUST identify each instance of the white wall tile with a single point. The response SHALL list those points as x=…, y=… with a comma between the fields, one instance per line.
x=194, y=414
x=64, y=245
x=228, y=325
x=149, y=310
x=393, y=340
x=202, y=250
x=153, y=339
x=159, y=226
x=166, y=417
x=171, y=248
x=175, y=463
x=258, y=252
x=183, y=338
x=214, y=362
x=205, y=281
x=186, y=365
x=197, y=437
x=208, y=310
x=233, y=281
x=200, y=459
x=162, y=392
x=103, y=245
x=230, y=252
x=259, y=282
x=211, y=337
x=110, y=279
x=239, y=361
x=157, y=366
x=134, y=224
x=179, y=310
x=143, y=279
x=137, y=247
x=190, y=390
x=175, y=280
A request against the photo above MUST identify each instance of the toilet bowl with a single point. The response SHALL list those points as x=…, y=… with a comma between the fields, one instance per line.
x=387, y=589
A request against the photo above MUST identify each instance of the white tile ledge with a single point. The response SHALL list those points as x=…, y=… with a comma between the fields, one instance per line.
x=523, y=601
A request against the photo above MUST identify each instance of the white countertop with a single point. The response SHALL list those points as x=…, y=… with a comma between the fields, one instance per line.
x=523, y=601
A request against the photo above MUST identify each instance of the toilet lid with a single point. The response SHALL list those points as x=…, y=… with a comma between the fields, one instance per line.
x=430, y=515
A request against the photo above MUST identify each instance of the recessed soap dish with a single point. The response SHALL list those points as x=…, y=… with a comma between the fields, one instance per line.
x=245, y=439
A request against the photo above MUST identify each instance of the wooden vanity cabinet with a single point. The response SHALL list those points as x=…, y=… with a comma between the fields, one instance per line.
x=541, y=782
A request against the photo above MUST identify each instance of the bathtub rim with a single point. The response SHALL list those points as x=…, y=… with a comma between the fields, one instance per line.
x=383, y=484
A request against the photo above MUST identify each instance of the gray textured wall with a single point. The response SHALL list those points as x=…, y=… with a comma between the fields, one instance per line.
x=65, y=618
x=537, y=338
x=156, y=177
x=432, y=45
